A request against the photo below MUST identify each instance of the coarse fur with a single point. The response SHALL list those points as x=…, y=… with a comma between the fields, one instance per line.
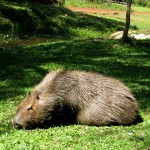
x=68, y=97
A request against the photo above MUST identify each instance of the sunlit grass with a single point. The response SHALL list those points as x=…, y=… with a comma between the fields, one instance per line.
x=140, y=9
x=89, y=4
x=138, y=21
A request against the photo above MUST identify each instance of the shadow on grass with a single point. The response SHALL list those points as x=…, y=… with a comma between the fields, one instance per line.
x=23, y=67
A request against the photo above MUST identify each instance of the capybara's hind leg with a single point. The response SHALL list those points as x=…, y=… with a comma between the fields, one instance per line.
x=92, y=116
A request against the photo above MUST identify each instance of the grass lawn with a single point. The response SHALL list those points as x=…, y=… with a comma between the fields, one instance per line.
x=139, y=22
x=112, y=6
x=87, y=48
x=90, y=4
x=23, y=67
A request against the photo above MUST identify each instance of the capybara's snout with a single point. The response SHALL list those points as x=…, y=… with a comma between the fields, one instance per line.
x=17, y=124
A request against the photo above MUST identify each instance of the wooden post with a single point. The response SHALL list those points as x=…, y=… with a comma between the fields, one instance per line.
x=127, y=23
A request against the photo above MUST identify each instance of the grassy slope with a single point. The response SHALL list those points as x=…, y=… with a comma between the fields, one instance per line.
x=23, y=67
x=22, y=20
x=25, y=20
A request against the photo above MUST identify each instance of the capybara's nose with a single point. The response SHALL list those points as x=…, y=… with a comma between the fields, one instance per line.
x=17, y=125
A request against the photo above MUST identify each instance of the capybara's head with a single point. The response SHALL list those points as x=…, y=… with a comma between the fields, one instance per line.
x=31, y=113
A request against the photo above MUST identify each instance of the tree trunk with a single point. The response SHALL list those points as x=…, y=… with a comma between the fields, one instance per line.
x=125, y=37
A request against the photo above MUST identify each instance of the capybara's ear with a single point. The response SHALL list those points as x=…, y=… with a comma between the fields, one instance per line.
x=37, y=97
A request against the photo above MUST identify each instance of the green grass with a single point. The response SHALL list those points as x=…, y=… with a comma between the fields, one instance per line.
x=140, y=23
x=80, y=137
x=89, y=4
x=23, y=67
x=140, y=9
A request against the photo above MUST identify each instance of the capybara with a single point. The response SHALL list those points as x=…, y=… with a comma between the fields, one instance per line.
x=68, y=97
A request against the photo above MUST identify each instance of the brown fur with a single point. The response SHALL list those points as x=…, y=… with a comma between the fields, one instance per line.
x=67, y=97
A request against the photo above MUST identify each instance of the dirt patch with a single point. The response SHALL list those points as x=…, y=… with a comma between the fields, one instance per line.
x=34, y=41
x=102, y=11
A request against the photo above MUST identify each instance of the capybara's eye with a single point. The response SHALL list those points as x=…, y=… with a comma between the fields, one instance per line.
x=29, y=108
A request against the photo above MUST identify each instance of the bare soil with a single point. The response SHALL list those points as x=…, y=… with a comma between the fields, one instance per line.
x=102, y=11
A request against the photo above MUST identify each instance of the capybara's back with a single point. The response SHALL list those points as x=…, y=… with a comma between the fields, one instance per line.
x=65, y=97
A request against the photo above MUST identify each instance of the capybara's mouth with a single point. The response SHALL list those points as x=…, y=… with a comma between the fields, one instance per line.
x=17, y=126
